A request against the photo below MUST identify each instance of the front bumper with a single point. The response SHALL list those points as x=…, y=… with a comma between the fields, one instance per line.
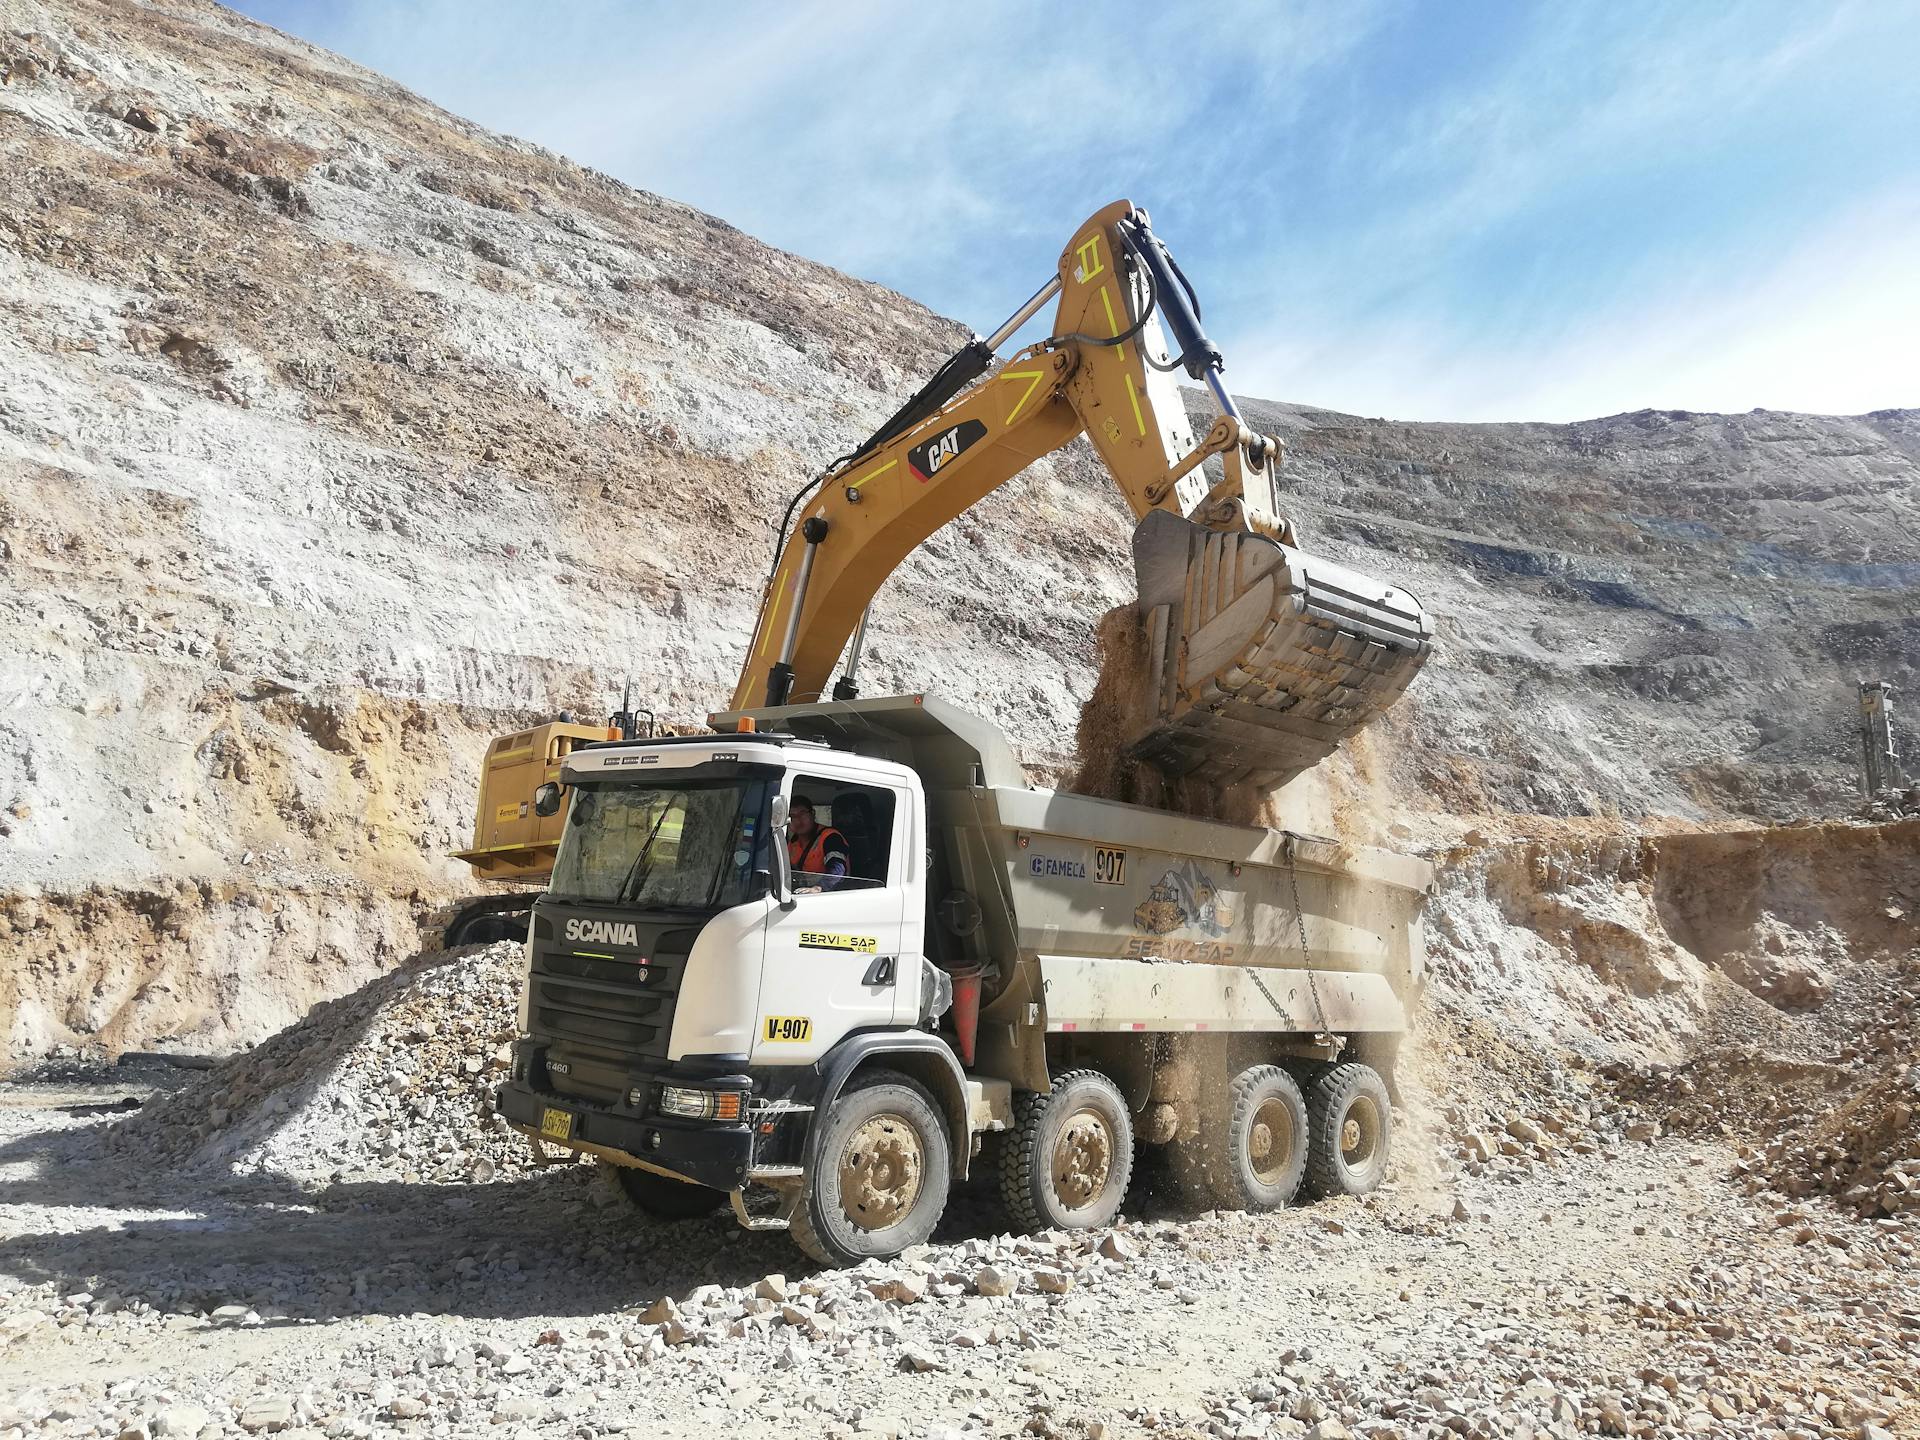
x=705, y=1152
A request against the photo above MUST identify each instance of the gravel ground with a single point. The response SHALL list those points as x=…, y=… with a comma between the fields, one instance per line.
x=1633, y=1290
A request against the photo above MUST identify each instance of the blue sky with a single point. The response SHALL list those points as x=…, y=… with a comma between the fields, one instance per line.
x=1455, y=211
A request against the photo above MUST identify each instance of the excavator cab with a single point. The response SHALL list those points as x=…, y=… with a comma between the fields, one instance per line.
x=1261, y=658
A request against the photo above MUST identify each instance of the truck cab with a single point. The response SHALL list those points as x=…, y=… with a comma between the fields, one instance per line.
x=734, y=924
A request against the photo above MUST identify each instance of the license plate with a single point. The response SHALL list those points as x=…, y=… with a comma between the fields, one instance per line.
x=556, y=1124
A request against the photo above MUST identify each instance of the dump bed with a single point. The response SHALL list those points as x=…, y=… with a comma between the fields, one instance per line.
x=1136, y=919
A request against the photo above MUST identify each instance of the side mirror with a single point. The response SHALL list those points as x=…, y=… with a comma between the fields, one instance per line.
x=777, y=815
x=546, y=800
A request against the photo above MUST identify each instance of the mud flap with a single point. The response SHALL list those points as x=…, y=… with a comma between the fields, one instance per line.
x=1261, y=659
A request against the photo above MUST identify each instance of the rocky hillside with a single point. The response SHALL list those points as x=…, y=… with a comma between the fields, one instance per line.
x=339, y=434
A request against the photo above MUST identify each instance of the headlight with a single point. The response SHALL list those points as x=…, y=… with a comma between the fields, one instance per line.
x=690, y=1104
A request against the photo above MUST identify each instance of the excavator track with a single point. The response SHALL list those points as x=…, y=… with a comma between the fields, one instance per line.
x=1261, y=658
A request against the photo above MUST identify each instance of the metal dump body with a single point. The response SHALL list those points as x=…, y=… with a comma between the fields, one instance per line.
x=1140, y=920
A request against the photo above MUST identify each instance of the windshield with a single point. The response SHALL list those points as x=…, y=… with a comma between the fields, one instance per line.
x=683, y=845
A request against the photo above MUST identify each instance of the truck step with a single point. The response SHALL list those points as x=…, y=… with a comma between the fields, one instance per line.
x=783, y=1220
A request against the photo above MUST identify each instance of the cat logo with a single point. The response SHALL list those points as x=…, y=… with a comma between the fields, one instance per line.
x=928, y=457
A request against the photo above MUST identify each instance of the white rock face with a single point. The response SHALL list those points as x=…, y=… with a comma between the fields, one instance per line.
x=339, y=435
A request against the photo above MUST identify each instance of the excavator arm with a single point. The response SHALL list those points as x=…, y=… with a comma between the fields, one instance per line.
x=1289, y=665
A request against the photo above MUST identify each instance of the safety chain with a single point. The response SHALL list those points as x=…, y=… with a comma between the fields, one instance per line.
x=1300, y=919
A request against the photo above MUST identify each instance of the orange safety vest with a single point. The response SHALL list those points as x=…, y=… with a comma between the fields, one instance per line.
x=811, y=858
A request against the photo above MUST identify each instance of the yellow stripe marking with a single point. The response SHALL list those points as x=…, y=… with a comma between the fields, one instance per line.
x=1134, y=396
x=1033, y=379
x=773, y=619
x=874, y=473
x=519, y=754
x=1113, y=329
x=1090, y=247
x=592, y=955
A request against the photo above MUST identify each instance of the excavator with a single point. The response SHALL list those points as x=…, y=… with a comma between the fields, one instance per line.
x=1261, y=657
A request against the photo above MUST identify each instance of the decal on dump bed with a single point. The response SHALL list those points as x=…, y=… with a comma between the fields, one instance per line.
x=854, y=944
x=786, y=1027
x=1185, y=897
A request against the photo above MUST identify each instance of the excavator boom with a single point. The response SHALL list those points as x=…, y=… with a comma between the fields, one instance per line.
x=1262, y=658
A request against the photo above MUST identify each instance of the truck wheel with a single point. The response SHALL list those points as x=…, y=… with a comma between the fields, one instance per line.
x=880, y=1176
x=1350, y=1125
x=668, y=1199
x=1066, y=1162
x=1262, y=1148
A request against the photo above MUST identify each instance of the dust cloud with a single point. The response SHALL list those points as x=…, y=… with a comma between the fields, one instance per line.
x=1343, y=797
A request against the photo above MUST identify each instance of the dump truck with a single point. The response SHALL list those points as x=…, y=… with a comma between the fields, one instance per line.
x=1041, y=979
x=826, y=1036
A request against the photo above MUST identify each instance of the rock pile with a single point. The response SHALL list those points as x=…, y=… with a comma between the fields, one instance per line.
x=1864, y=1147
x=392, y=1082
x=1832, y=1109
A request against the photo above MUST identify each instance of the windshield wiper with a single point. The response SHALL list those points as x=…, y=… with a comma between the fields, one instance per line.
x=635, y=874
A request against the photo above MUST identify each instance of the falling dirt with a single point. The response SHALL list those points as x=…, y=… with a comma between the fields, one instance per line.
x=1118, y=712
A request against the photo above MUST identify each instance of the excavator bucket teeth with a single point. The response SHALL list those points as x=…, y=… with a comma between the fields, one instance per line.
x=1261, y=659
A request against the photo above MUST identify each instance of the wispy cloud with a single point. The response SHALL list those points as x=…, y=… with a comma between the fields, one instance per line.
x=1436, y=211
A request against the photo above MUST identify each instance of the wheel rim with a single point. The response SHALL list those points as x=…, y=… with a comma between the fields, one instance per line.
x=1082, y=1159
x=1360, y=1133
x=881, y=1170
x=1271, y=1141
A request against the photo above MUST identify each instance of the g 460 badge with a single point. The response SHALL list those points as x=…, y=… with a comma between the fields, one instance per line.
x=928, y=457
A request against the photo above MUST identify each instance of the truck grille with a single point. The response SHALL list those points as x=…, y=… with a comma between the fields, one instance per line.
x=597, y=1015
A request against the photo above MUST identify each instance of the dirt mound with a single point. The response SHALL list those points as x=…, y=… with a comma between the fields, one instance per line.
x=1845, y=1121
x=394, y=1081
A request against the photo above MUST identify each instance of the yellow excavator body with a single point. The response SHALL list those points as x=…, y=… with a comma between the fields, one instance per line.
x=510, y=840
x=1263, y=657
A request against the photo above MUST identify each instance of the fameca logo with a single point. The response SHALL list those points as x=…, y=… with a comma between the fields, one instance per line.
x=604, y=932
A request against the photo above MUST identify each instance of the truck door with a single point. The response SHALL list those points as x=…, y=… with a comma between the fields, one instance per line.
x=833, y=962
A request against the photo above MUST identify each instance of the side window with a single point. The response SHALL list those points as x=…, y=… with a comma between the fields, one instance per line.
x=840, y=835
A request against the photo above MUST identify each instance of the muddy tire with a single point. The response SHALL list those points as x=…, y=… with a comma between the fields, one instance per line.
x=665, y=1198
x=1350, y=1127
x=1259, y=1154
x=1068, y=1159
x=880, y=1175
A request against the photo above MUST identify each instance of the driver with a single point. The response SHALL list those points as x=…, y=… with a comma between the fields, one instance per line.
x=817, y=852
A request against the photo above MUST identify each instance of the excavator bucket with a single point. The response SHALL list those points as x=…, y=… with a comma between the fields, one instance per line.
x=1261, y=659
